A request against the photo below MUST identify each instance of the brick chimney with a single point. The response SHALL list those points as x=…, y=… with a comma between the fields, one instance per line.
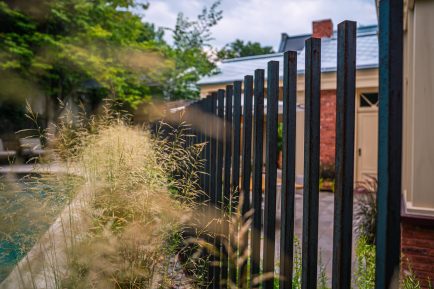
x=322, y=28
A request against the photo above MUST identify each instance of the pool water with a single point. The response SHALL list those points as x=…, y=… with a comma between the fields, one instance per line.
x=28, y=205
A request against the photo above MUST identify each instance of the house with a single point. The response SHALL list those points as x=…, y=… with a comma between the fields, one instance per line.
x=417, y=214
x=366, y=91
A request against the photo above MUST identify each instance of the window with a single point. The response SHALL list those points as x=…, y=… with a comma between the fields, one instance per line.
x=369, y=100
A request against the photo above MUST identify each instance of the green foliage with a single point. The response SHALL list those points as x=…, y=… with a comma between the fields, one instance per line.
x=364, y=277
x=85, y=51
x=191, y=61
x=322, y=280
x=13, y=117
x=410, y=281
x=72, y=42
x=296, y=278
x=239, y=48
x=280, y=136
x=327, y=177
x=365, y=264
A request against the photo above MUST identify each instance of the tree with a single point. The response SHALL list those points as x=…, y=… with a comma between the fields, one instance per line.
x=191, y=39
x=84, y=51
x=80, y=50
x=239, y=48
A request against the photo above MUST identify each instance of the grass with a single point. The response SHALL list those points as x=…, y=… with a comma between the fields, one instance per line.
x=364, y=277
x=134, y=193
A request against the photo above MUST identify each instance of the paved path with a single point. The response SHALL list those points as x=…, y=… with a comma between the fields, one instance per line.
x=325, y=227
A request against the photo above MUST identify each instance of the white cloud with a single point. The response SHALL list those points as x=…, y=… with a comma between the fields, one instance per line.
x=263, y=20
x=161, y=14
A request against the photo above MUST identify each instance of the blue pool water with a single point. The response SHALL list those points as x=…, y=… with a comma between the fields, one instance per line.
x=28, y=205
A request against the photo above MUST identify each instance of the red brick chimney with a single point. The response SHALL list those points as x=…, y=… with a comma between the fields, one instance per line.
x=322, y=28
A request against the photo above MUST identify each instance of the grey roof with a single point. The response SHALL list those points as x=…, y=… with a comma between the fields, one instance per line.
x=294, y=43
x=235, y=69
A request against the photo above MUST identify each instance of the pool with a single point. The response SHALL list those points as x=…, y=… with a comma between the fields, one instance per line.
x=29, y=204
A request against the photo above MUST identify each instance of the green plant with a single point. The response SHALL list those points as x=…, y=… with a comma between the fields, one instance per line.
x=280, y=136
x=322, y=278
x=327, y=171
x=327, y=177
x=79, y=51
x=297, y=270
x=364, y=277
x=190, y=38
x=365, y=212
x=82, y=51
x=239, y=48
x=296, y=278
x=409, y=279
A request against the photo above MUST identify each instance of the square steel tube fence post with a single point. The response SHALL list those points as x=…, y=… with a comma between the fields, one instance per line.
x=207, y=168
x=202, y=140
x=271, y=172
x=219, y=179
x=246, y=173
x=311, y=163
x=235, y=178
x=345, y=115
x=227, y=181
x=388, y=235
x=258, y=147
x=288, y=169
x=212, y=192
x=389, y=157
x=213, y=153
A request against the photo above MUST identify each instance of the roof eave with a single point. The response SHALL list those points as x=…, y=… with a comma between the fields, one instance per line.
x=299, y=72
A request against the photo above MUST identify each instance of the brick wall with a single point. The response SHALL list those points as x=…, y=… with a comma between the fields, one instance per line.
x=417, y=246
x=328, y=127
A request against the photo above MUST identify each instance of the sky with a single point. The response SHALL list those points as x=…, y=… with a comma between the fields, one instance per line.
x=262, y=20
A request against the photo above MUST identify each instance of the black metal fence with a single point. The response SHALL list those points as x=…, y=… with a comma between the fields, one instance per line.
x=234, y=163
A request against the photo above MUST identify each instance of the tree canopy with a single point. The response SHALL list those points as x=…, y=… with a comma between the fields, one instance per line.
x=88, y=50
x=239, y=48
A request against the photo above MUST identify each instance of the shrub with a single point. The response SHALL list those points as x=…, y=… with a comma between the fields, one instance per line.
x=365, y=213
x=327, y=177
x=327, y=171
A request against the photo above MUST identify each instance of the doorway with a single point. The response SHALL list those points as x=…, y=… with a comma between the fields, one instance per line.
x=367, y=135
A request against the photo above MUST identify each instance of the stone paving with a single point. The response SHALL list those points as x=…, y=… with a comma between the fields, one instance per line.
x=325, y=227
x=174, y=276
